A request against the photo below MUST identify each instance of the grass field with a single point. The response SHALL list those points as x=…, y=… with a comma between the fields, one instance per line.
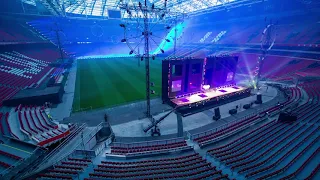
x=109, y=82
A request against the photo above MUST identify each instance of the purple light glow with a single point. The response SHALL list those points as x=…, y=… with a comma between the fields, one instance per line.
x=176, y=86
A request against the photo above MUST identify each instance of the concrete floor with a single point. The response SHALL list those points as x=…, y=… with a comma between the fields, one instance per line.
x=64, y=109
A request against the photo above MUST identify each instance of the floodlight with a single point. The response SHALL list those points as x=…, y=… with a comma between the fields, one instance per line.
x=167, y=40
x=123, y=40
x=162, y=50
x=131, y=52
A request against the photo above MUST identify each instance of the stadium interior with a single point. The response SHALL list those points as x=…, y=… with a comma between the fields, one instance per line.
x=160, y=89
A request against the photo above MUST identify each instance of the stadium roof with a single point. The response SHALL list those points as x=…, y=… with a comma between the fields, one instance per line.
x=102, y=7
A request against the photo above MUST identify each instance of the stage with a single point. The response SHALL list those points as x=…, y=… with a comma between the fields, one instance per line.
x=194, y=123
x=193, y=85
x=207, y=95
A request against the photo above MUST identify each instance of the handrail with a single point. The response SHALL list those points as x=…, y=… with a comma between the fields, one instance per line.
x=157, y=151
x=62, y=156
x=38, y=167
x=5, y=172
x=79, y=129
x=156, y=142
x=210, y=131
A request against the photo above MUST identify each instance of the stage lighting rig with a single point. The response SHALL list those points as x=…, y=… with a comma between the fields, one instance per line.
x=141, y=31
x=267, y=41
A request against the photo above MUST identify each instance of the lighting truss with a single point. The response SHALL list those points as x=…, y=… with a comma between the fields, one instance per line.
x=99, y=8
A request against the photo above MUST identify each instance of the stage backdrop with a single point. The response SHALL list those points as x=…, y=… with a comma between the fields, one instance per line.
x=186, y=76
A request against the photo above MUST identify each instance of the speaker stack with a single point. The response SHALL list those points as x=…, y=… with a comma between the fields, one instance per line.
x=217, y=115
x=233, y=111
x=259, y=99
x=246, y=106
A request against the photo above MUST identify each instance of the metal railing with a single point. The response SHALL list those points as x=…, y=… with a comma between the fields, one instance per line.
x=224, y=126
x=136, y=154
x=21, y=164
x=45, y=162
x=147, y=143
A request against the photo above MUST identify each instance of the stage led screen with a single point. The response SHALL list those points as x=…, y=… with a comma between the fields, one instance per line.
x=177, y=70
x=220, y=71
x=176, y=86
x=230, y=76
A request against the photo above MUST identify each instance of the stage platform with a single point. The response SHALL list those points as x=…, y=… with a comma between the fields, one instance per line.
x=195, y=123
x=197, y=102
x=208, y=95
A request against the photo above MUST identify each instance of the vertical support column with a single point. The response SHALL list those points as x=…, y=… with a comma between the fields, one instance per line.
x=59, y=43
x=259, y=68
x=147, y=58
x=175, y=38
x=179, y=125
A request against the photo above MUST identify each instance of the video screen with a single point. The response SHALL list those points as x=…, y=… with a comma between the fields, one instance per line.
x=177, y=70
x=196, y=68
x=230, y=76
x=176, y=86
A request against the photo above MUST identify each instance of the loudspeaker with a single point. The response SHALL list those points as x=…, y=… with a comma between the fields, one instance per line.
x=233, y=111
x=259, y=99
x=217, y=111
x=217, y=115
x=246, y=106
x=216, y=118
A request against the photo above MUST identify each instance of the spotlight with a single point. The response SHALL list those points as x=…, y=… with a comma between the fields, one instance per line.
x=168, y=27
x=123, y=40
x=162, y=51
x=153, y=57
x=153, y=92
x=142, y=58
x=122, y=25
x=167, y=40
x=131, y=52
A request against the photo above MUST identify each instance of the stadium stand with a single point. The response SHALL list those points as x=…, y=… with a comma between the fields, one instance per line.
x=147, y=148
x=253, y=146
x=191, y=167
x=67, y=169
x=18, y=32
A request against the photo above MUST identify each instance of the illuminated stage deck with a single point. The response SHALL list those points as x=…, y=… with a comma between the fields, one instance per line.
x=208, y=95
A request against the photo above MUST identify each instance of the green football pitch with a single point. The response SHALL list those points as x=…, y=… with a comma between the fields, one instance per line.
x=115, y=81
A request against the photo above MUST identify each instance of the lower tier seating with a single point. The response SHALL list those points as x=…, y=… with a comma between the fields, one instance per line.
x=274, y=148
x=66, y=169
x=145, y=148
x=181, y=167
